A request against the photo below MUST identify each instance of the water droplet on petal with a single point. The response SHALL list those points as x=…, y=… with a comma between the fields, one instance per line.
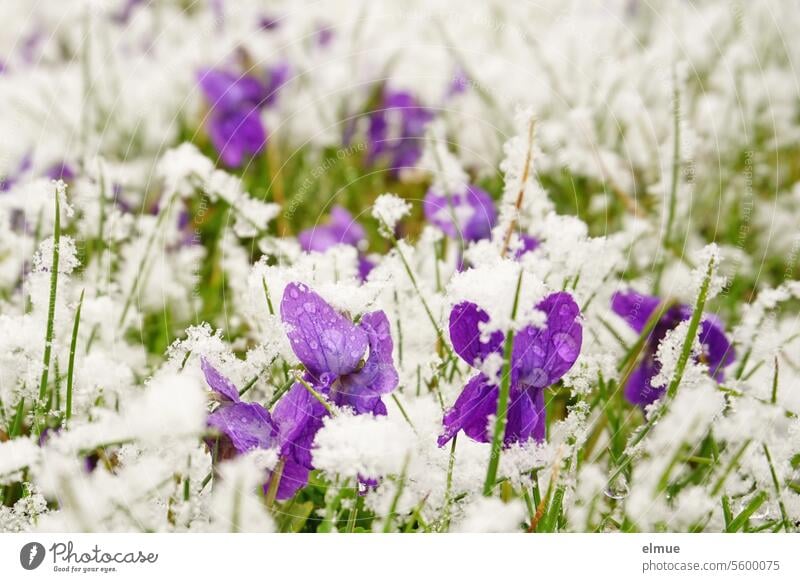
x=566, y=346
x=537, y=378
x=566, y=310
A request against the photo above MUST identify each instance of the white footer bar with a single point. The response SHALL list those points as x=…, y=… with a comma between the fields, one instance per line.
x=417, y=558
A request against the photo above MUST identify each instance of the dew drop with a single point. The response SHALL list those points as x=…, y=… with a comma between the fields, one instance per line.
x=566, y=310
x=537, y=378
x=618, y=489
x=566, y=347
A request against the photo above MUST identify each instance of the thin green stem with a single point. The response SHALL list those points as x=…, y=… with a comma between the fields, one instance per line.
x=266, y=294
x=403, y=411
x=414, y=283
x=275, y=481
x=316, y=395
x=731, y=466
x=51, y=309
x=740, y=520
x=449, y=486
x=777, y=485
x=387, y=527
x=694, y=325
x=774, y=398
x=71, y=365
x=502, y=402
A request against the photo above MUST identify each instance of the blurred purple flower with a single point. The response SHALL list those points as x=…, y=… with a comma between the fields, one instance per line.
x=340, y=229
x=396, y=130
x=636, y=309
x=325, y=35
x=124, y=14
x=529, y=243
x=234, y=124
x=7, y=182
x=539, y=358
x=267, y=22
x=60, y=171
x=277, y=76
x=459, y=84
x=469, y=215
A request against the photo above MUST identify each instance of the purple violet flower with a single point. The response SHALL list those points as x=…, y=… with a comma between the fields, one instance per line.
x=636, y=309
x=396, y=130
x=235, y=125
x=349, y=364
x=540, y=357
x=529, y=243
x=340, y=229
x=244, y=426
x=469, y=215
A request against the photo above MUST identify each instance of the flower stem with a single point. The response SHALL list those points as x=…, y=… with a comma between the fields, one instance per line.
x=683, y=359
x=51, y=309
x=413, y=279
x=776, y=483
x=71, y=365
x=275, y=481
x=741, y=519
x=316, y=395
x=449, y=487
x=396, y=499
x=526, y=170
x=691, y=334
x=502, y=402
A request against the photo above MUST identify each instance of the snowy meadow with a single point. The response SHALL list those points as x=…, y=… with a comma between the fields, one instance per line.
x=353, y=266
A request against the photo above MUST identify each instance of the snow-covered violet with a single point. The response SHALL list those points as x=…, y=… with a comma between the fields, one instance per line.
x=539, y=358
x=637, y=309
